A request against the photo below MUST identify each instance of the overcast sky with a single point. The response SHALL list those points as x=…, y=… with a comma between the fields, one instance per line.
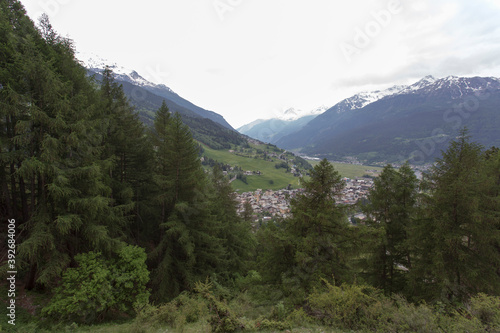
x=250, y=59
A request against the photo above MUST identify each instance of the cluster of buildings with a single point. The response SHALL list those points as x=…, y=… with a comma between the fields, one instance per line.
x=355, y=189
x=277, y=203
x=268, y=203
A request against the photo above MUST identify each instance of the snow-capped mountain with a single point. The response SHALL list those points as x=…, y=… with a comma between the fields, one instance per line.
x=144, y=91
x=456, y=87
x=287, y=122
x=404, y=122
x=95, y=63
x=362, y=99
x=453, y=86
x=293, y=114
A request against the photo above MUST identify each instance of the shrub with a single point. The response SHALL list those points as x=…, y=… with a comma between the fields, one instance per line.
x=97, y=285
x=245, y=282
x=222, y=319
x=299, y=317
x=345, y=306
x=487, y=310
x=184, y=309
x=267, y=324
x=402, y=316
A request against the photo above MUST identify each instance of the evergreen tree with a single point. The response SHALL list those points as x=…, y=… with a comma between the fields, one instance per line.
x=457, y=242
x=159, y=139
x=391, y=210
x=189, y=249
x=319, y=231
x=234, y=232
x=127, y=156
x=57, y=194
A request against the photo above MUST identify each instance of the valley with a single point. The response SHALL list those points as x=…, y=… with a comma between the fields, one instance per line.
x=257, y=166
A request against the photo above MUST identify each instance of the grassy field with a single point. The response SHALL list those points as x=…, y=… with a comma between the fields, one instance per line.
x=270, y=178
x=352, y=170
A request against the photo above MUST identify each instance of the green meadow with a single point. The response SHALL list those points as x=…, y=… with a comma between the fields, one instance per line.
x=270, y=178
x=353, y=170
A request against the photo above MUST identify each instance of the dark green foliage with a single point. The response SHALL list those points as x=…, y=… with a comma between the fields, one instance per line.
x=83, y=179
x=391, y=210
x=57, y=183
x=318, y=231
x=189, y=248
x=457, y=239
x=98, y=285
x=234, y=232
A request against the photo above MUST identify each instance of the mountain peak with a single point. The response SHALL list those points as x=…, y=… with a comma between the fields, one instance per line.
x=292, y=114
x=96, y=64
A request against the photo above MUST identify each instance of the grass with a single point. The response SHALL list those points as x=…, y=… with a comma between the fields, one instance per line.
x=352, y=170
x=270, y=178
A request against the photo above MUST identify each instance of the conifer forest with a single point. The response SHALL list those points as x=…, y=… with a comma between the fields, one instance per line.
x=119, y=228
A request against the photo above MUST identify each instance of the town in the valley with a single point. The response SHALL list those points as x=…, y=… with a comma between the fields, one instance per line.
x=269, y=204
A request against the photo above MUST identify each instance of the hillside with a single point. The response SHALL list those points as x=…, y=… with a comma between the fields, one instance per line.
x=258, y=166
x=414, y=122
x=206, y=126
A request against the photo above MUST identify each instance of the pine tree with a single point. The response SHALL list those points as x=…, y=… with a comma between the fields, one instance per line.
x=52, y=169
x=159, y=138
x=391, y=210
x=457, y=242
x=189, y=249
x=234, y=232
x=319, y=230
x=127, y=156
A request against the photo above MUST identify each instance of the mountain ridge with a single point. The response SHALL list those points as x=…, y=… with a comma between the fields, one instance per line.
x=287, y=122
x=393, y=126
x=95, y=65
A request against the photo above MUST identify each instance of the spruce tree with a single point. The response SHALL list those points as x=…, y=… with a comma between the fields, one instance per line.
x=319, y=230
x=457, y=240
x=234, y=232
x=52, y=165
x=391, y=210
x=189, y=249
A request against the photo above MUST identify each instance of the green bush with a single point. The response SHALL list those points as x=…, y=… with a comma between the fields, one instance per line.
x=222, y=319
x=184, y=309
x=401, y=316
x=347, y=306
x=487, y=310
x=299, y=317
x=267, y=324
x=245, y=282
x=97, y=285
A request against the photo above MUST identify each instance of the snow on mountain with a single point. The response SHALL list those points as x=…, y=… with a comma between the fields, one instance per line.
x=97, y=64
x=293, y=114
x=453, y=86
x=362, y=99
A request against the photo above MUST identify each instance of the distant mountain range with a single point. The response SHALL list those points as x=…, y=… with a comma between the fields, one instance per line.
x=403, y=122
x=206, y=126
x=271, y=130
x=412, y=122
